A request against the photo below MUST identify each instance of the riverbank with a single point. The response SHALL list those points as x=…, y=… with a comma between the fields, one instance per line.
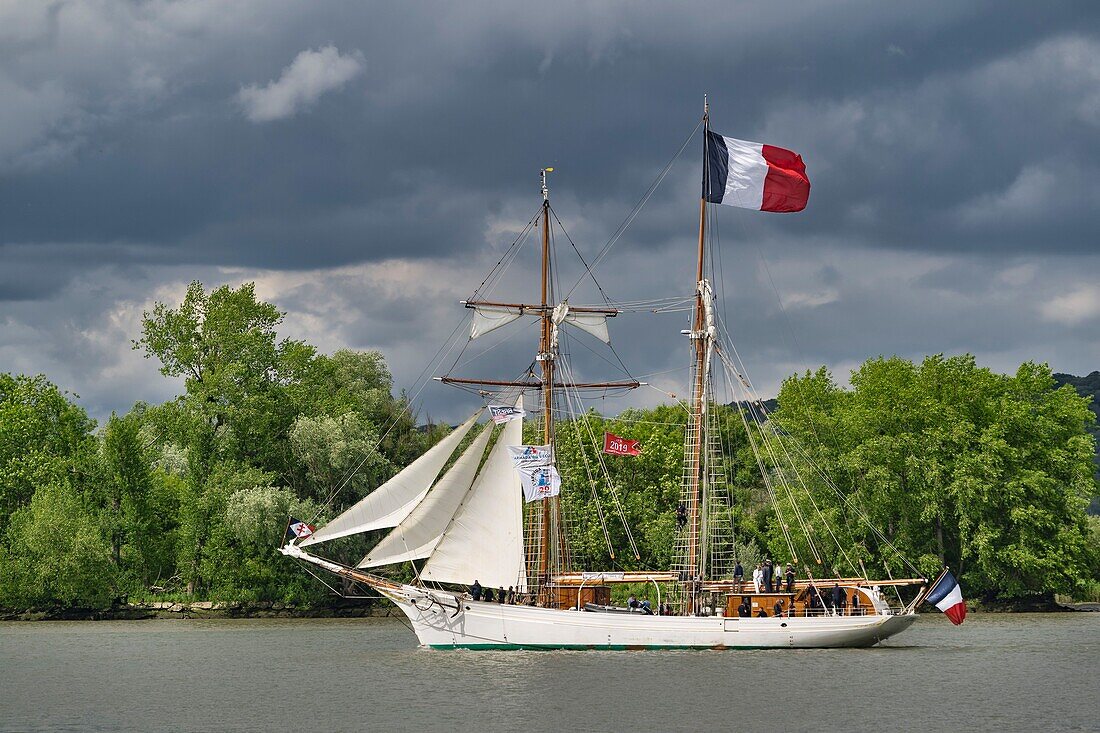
x=203, y=609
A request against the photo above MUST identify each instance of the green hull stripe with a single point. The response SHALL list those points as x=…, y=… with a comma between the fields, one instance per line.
x=591, y=647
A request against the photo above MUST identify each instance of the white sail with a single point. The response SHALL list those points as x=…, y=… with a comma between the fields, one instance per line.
x=488, y=318
x=484, y=541
x=391, y=502
x=418, y=534
x=491, y=317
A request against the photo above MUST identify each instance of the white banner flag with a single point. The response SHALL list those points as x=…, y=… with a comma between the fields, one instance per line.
x=531, y=456
x=504, y=413
x=540, y=482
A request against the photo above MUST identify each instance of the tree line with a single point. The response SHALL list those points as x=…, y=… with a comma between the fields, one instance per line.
x=957, y=465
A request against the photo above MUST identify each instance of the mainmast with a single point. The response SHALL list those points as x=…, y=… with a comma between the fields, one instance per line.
x=698, y=402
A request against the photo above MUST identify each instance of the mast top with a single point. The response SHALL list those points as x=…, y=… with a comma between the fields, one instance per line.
x=545, y=190
x=706, y=105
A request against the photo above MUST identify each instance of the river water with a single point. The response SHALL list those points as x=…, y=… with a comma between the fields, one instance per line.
x=1025, y=672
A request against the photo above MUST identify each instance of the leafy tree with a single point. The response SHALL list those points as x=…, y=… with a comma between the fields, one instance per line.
x=985, y=472
x=236, y=371
x=243, y=564
x=339, y=453
x=56, y=554
x=43, y=437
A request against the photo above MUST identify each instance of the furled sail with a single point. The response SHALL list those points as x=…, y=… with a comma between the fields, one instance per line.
x=418, y=534
x=484, y=541
x=489, y=317
x=391, y=502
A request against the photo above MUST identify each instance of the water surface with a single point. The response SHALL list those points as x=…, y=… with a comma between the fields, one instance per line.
x=1025, y=672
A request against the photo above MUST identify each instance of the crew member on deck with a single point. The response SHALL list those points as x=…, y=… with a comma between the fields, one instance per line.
x=855, y=604
x=768, y=569
x=757, y=578
x=738, y=575
x=475, y=590
x=790, y=578
x=487, y=595
x=501, y=595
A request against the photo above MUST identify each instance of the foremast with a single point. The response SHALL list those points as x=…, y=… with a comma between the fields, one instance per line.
x=546, y=358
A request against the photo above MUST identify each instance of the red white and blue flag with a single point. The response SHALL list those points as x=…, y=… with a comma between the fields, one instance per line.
x=754, y=175
x=298, y=529
x=946, y=595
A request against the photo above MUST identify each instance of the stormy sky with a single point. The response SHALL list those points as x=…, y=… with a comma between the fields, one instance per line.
x=366, y=164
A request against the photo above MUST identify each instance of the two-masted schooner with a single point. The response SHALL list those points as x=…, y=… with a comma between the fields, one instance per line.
x=482, y=518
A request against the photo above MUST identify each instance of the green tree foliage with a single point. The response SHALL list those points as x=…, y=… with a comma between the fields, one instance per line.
x=56, y=554
x=985, y=472
x=339, y=453
x=43, y=438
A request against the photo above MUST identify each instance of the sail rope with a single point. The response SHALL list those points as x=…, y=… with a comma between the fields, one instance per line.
x=567, y=369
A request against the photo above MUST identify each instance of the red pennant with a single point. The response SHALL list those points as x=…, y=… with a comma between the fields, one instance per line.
x=617, y=446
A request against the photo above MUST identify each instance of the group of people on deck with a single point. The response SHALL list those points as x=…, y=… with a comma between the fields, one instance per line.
x=500, y=595
x=767, y=576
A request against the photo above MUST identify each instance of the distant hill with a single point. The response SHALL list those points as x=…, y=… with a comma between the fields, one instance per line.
x=1088, y=386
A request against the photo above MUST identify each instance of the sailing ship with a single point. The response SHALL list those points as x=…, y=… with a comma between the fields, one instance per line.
x=470, y=512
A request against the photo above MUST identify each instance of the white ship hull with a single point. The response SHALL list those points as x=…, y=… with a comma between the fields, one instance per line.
x=445, y=621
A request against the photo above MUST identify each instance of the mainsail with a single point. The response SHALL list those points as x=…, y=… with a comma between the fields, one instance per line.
x=484, y=540
x=418, y=534
x=391, y=502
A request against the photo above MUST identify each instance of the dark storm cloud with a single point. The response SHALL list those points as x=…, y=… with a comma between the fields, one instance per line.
x=955, y=139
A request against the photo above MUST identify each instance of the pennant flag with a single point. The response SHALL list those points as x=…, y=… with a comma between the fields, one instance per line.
x=540, y=482
x=617, y=446
x=298, y=529
x=531, y=456
x=946, y=595
x=504, y=413
x=754, y=175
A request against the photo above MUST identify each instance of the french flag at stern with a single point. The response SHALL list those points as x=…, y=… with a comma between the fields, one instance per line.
x=946, y=595
x=754, y=175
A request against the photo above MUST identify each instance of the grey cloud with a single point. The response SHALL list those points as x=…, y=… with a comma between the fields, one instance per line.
x=941, y=157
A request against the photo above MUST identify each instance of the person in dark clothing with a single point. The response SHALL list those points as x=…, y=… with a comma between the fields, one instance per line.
x=768, y=570
x=790, y=578
x=501, y=595
x=761, y=613
x=738, y=575
x=487, y=595
x=835, y=600
x=475, y=591
x=511, y=596
x=681, y=515
x=744, y=610
x=779, y=607
x=855, y=604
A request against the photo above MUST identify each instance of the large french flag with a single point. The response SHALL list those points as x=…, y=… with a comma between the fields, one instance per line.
x=946, y=595
x=754, y=175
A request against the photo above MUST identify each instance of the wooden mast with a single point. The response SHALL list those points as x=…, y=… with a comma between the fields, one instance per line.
x=546, y=358
x=697, y=405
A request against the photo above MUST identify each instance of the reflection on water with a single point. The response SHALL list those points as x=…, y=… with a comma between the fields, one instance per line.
x=996, y=672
